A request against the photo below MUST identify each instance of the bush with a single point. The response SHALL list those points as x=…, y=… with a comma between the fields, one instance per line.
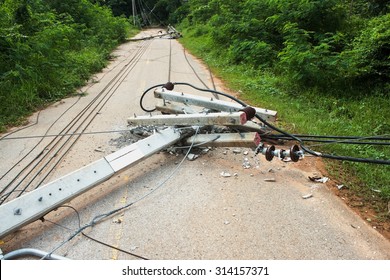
x=370, y=53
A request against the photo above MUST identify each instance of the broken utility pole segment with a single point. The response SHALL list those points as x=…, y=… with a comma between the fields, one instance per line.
x=237, y=118
x=34, y=205
x=210, y=103
x=248, y=140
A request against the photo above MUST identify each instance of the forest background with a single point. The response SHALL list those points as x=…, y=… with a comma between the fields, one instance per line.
x=323, y=65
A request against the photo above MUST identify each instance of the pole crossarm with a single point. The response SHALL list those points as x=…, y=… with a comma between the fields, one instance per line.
x=210, y=103
x=224, y=118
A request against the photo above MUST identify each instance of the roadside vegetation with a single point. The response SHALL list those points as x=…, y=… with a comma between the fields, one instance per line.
x=48, y=48
x=323, y=65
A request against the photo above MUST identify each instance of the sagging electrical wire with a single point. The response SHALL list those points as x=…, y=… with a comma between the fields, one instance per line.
x=89, y=237
x=65, y=134
x=99, y=218
x=302, y=145
x=325, y=140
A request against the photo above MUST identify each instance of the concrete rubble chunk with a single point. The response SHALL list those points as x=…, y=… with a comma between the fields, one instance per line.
x=225, y=174
x=246, y=164
x=340, y=186
x=319, y=179
x=192, y=157
x=307, y=196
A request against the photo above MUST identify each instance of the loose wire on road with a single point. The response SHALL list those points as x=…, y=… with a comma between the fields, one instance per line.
x=105, y=93
x=31, y=150
x=100, y=218
x=67, y=134
x=89, y=237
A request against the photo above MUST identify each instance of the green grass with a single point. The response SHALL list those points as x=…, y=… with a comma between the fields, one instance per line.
x=315, y=111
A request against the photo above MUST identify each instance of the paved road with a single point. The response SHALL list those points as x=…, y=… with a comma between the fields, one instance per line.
x=197, y=213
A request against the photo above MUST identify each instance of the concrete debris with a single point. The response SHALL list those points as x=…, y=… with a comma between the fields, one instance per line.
x=307, y=196
x=246, y=164
x=99, y=150
x=340, y=186
x=319, y=179
x=192, y=157
x=246, y=153
x=237, y=151
x=270, y=180
x=226, y=222
x=225, y=152
x=225, y=174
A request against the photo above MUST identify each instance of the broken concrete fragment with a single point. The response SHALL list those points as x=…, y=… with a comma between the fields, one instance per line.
x=307, y=196
x=192, y=157
x=225, y=174
x=319, y=179
x=246, y=164
x=237, y=151
x=340, y=186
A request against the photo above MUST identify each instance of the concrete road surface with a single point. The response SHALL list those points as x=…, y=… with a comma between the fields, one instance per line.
x=184, y=210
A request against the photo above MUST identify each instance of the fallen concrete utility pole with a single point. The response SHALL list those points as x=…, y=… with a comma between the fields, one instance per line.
x=34, y=205
x=215, y=114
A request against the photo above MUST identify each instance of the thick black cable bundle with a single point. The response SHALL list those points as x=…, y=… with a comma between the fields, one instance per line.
x=282, y=132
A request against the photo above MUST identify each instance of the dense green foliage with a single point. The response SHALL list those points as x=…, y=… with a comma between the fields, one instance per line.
x=324, y=65
x=49, y=47
x=315, y=43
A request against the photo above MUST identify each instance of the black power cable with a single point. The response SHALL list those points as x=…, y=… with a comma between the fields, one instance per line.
x=327, y=141
x=291, y=136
